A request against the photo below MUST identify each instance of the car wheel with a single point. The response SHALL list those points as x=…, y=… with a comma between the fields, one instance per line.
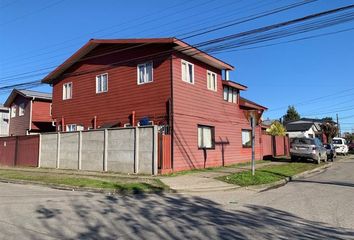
x=293, y=159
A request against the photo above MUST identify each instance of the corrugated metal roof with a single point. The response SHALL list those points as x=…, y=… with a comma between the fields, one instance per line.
x=294, y=127
x=27, y=94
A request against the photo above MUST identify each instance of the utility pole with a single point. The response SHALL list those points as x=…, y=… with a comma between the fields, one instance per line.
x=339, y=134
x=253, y=125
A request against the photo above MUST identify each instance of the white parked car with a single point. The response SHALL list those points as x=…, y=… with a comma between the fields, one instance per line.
x=340, y=145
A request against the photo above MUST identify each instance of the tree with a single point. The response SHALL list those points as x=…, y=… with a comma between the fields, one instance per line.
x=330, y=130
x=276, y=129
x=291, y=114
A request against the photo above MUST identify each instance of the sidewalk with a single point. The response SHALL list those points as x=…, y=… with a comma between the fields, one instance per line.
x=205, y=181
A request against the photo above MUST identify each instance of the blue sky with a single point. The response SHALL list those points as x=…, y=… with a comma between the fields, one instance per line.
x=315, y=75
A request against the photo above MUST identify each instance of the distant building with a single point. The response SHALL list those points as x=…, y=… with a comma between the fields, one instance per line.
x=306, y=127
x=4, y=121
x=30, y=112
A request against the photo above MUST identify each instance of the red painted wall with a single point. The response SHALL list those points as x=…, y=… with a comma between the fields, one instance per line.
x=194, y=104
x=124, y=94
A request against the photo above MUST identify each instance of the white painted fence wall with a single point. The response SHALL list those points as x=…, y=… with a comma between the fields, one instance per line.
x=125, y=150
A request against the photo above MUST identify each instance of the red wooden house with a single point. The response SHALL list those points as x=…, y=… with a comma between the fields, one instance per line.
x=30, y=112
x=165, y=82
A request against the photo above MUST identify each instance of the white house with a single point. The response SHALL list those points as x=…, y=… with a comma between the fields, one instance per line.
x=4, y=121
x=304, y=128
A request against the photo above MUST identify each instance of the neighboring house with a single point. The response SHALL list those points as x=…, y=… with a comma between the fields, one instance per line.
x=165, y=82
x=4, y=121
x=30, y=112
x=306, y=127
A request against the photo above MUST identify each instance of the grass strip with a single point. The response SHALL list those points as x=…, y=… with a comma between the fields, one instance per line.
x=267, y=174
x=117, y=184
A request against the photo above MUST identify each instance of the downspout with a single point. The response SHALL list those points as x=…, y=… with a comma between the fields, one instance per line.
x=171, y=115
x=30, y=122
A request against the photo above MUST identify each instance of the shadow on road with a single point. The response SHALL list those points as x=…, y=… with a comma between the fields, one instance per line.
x=173, y=217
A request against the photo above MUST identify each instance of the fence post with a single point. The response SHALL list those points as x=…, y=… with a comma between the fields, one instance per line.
x=105, y=153
x=80, y=150
x=16, y=151
x=136, y=152
x=58, y=150
x=155, y=151
x=39, y=150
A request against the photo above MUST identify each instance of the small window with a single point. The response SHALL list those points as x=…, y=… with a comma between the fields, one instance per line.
x=230, y=94
x=187, y=72
x=102, y=83
x=13, y=111
x=21, y=109
x=211, y=81
x=145, y=73
x=67, y=91
x=206, y=137
x=246, y=138
x=71, y=127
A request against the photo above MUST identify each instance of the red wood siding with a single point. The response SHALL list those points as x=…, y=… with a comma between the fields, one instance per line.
x=124, y=94
x=7, y=151
x=20, y=124
x=41, y=111
x=194, y=104
x=267, y=145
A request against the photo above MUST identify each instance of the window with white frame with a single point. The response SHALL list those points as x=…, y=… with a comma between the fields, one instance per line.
x=246, y=138
x=102, y=83
x=145, y=74
x=71, y=127
x=187, y=72
x=21, y=109
x=212, y=81
x=206, y=137
x=13, y=111
x=67, y=91
x=230, y=94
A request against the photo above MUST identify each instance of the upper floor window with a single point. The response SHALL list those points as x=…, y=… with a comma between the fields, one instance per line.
x=102, y=83
x=206, y=137
x=187, y=72
x=230, y=94
x=67, y=91
x=21, y=109
x=145, y=73
x=13, y=111
x=211, y=81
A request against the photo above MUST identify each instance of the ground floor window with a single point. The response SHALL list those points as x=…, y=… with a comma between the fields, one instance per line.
x=206, y=137
x=71, y=127
x=246, y=138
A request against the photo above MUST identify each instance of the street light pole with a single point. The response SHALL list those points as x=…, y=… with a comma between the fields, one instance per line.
x=253, y=124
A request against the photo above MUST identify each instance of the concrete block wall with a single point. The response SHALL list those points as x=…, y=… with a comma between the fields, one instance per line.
x=125, y=150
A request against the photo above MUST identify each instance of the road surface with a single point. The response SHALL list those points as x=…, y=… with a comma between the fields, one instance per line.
x=319, y=207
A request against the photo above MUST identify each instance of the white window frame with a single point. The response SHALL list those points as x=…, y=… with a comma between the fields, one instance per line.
x=13, y=111
x=210, y=73
x=71, y=127
x=231, y=94
x=201, y=137
x=21, y=109
x=184, y=74
x=145, y=72
x=246, y=133
x=99, y=79
x=65, y=93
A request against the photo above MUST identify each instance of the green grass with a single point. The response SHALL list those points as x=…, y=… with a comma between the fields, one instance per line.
x=117, y=184
x=267, y=174
x=213, y=168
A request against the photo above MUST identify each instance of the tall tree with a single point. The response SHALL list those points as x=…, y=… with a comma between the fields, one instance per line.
x=291, y=114
x=330, y=130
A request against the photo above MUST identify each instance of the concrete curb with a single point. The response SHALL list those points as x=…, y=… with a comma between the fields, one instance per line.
x=280, y=183
x=83, y=189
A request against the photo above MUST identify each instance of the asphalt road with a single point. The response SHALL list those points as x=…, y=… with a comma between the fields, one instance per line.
x=319, y=207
